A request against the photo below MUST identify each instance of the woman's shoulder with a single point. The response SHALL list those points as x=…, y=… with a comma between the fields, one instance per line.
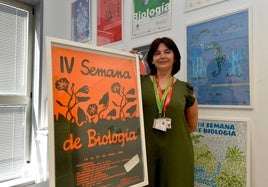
x=188, y=90
x=188, y=86
x=182, y=82
x=144, y=77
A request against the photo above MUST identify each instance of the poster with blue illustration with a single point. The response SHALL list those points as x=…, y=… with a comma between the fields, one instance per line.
x=222, y=152
x=80, y=21
x=218, y=60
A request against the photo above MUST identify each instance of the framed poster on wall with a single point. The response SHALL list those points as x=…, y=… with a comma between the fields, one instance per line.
x=150, y=17
x=142, y=52
x=222, y=152
x=109, y=21
x=195, y=4
x=218, y=60
x=81, y=20
x=96, y=135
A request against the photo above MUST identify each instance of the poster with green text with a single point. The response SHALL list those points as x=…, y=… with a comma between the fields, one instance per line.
x=150, y=16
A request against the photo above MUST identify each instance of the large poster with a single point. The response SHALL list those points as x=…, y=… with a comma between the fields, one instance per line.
x=218, y=60
x=95, y=117
x=222, y=152
x=150, y=16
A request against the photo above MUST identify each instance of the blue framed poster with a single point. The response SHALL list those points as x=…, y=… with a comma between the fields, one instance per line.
x=218, y=60
x=81, y=31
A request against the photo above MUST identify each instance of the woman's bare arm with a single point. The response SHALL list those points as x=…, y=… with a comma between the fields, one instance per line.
x=191, y=114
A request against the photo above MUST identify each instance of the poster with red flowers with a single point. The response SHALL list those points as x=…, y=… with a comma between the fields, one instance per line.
x=96, y=134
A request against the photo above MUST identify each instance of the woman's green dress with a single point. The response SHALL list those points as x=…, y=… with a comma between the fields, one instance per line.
x=170, y=156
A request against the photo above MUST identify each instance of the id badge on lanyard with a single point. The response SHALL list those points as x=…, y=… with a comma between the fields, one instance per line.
x=162, y=123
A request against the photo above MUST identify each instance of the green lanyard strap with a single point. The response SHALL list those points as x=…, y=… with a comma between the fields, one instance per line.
x=157, y=90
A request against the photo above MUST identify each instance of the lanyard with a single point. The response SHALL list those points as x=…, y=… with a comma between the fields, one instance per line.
x=162, y=100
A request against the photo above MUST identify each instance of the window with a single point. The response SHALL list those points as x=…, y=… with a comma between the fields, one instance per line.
x=16, y=29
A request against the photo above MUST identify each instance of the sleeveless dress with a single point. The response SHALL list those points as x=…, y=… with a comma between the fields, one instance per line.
x=170, y=158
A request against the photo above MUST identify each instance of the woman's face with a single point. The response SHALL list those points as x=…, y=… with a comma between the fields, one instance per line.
x=163, y=58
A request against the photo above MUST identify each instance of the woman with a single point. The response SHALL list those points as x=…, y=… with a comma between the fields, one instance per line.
x=170, y=115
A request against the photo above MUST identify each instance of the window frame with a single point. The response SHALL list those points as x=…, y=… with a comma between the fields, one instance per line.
x=26, y=99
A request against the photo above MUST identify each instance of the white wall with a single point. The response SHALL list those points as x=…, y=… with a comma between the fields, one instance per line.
x=57, y=24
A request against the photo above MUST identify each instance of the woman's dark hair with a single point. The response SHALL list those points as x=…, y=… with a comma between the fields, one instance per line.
x=170, y=45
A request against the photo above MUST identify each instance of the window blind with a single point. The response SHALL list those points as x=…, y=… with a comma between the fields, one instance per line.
x=13, y=37
x=13, y=90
